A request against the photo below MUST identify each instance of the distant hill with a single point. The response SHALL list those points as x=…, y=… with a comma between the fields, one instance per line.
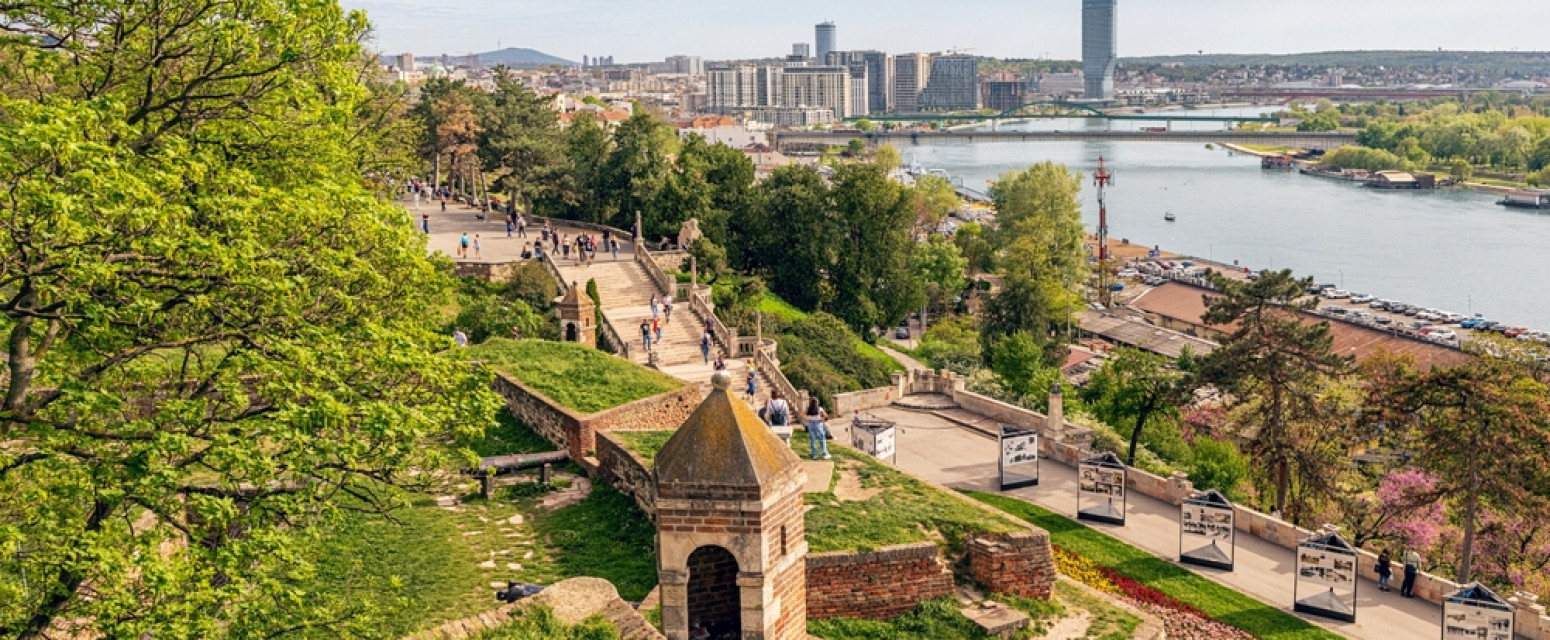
x=518, y=57
x=510, y=56
x=1512, y=62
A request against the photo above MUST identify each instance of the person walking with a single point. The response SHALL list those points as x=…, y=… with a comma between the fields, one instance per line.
x=752, y=384
x=656, y=326
x=817, y=421
x=565, y=247
x=705, y=347
x=721, y=362
x=443, y=204
x=425, y=223
x=478, y=248
x=667, y=308
x=510, y=227
x=462, y=247
x=459, y=338
x=615, y=245
x=1385, y=570
x=653, y=304
x=521, y=226
x=645, y=334
x=1412, y=567
x=777, y=413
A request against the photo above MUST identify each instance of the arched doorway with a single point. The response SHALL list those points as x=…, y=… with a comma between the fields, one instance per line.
x=715, y=603
x=570, y=333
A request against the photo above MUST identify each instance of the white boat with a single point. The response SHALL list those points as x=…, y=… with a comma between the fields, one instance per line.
x=1168, y=216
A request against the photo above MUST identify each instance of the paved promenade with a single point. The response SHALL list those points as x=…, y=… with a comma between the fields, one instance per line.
x=946, y=453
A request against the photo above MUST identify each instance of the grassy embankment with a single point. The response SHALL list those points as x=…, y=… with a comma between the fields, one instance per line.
x=1220, y=603
x=580, y=378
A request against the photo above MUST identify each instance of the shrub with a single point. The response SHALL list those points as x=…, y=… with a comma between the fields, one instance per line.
x=531, y=283
x=1218, y=465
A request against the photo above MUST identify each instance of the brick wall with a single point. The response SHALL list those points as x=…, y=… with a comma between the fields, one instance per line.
x=714, y=598
x=1017, y=563
x=627, y=472
x=875, y=585
x=575, y=432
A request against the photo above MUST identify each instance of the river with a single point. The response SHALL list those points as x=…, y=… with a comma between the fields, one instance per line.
x=1449, y=249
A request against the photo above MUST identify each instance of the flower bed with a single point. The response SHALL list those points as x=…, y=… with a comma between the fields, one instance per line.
x=1179, y=618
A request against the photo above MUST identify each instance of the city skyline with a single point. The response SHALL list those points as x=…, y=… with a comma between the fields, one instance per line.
x=640, y=31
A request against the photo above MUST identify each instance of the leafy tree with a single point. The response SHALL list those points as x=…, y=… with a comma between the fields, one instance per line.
x=933, y=199
x=1540, y=157
x=938, y=265
x=1404, y=509
x=458, y=136
x=1039, y=235
x=584, y=194
x=870, y=272
x=975, y=248
x=865, y=125
x=1216, y=464
x=1018, y=360
x=522, y=140
x=1461, y=169
x=1140, y=388
x=855, y=147
x=888, y=158
x=1275, y=366
x=710, y=258
x=638, y=171
x=218, y=337
x=790, y=238
x=1480, y=427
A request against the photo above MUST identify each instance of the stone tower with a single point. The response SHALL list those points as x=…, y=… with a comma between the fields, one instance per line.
x=731, y=548
x=578, y=317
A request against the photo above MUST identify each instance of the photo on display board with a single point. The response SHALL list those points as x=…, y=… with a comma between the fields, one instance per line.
x=1019, y=450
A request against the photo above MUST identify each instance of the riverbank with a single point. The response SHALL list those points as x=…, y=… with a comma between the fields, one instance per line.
x=1262, y=152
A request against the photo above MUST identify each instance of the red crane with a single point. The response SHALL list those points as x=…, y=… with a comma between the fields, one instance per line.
x=1103, y=179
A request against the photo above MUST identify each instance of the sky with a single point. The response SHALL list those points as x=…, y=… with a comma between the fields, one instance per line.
x=647, y=30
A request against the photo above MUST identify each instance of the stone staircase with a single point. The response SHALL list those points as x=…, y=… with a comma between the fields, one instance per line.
x=625, y=290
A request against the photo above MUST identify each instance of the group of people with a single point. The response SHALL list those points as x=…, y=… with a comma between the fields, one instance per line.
x=661, y=314
x=1412, y=566
x=777, y=413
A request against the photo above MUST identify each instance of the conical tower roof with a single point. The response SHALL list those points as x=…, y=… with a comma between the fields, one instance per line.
x=724, y=443
x=575, y=299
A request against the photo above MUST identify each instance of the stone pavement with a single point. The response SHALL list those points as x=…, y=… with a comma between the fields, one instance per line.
x=940, y=451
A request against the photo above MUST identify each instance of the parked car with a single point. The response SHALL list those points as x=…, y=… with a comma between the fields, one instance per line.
x=902, y=333
x=1514, y=332
x=1336, y=294
x=1412, y=311
x=1335, y=310
x=1472, y=323
x=1360, y=298
x=1379, y=304
x=1444, y=334
x=1383, y=320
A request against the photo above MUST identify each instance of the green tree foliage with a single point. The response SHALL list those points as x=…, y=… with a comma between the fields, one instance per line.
x=1351, y=157
x=532, y=284
x=638, y=171
x=218, y=337
x=1276, y=366
x=1326, y=120
x=1481, y=428
x=940, y=267
x=873, y=286
x=975, y=247
x=1019, y=362
x=709, y=258
x=888, y=158
x=952, y=344
x=484, y=313
x=585, y=194
x=790, y=238
x=1140, y=389
x=818, y=352
x=521, y=141
x=933, y=198
x=1039, y=237
x=1216, y=464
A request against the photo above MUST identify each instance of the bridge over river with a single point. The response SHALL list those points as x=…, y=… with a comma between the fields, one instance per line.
x=1309, y=140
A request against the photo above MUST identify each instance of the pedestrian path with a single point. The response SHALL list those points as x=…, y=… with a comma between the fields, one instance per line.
x=624, y=288
x=941, y=451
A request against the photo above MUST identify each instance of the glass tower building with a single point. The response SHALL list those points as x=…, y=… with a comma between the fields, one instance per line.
x=1098, y=57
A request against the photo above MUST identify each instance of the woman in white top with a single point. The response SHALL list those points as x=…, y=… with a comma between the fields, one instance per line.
x=817, y=427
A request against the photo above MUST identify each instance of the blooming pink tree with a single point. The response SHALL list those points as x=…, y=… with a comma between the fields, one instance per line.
x=1405, y=509
x=1514, y=551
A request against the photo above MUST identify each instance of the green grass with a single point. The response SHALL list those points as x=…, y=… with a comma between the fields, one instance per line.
x=413, y=574
x=771, y=303
x=1108, y=621
x=1219, y=602
x=539, y=623
x=605, y=536
x=906, y=510
x=1271, y=148
x=645, y=443
x=583, y=379
x=508, y=436
x=874, y=353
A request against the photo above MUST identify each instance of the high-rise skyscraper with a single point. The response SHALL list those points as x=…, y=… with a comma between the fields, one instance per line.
x=879, y=80
x=1098, y=57
x=826, y=39
x=911, y=72
x=954, y=84
x=406, y=62
x=802, y=50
